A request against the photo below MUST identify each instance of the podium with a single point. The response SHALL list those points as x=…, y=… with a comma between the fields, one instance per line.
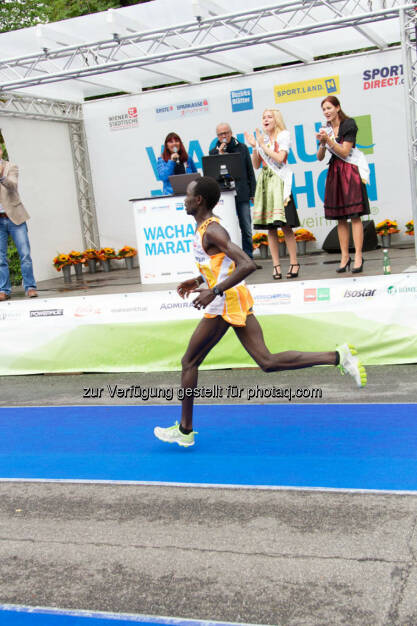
x=165, y=234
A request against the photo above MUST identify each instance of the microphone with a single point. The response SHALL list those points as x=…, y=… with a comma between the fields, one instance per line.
x=175, y=151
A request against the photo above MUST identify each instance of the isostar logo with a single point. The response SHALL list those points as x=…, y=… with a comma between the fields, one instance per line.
x=364, y=138
x=393, y=291
x=306, y=89
x=122, y=121
x=241, y=100
x=380, y=77
x=46, y=313
x=182, y=109
x=321, y=294
x=359, y=293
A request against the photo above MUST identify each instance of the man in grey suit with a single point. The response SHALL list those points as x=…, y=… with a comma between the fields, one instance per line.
x=13, y=216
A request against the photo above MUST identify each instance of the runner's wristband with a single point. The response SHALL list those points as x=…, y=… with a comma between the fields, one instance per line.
x=217, y=291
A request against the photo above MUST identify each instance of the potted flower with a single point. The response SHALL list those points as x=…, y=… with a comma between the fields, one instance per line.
x=385, y=229
x=302, y=235
x=63, y=262
x=127, y=253
x=105, y=255
x=260, y=240
x=410, y=228
x=77, y=259
x=91, y=258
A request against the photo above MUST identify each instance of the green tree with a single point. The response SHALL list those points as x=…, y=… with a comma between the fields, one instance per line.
x=64, y=9
x=16, y=14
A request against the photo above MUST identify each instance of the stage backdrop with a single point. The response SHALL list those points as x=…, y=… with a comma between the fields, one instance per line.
x=148, y=331
x=47, y=187
x=125, y=135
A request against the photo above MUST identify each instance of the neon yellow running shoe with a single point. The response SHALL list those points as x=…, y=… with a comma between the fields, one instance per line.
x=174, y=435
x=350, y=364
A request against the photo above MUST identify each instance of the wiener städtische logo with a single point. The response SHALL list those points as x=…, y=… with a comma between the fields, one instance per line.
x=306, y=89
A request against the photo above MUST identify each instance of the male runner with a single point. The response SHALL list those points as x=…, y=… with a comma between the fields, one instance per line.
x=228, y=302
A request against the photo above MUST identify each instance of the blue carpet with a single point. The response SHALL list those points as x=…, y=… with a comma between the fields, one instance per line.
x=55, y=617
x=330, y=446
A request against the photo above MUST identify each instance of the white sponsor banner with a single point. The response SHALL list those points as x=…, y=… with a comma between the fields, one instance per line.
x=148, y=331
x=384, y=295
x=369, y=86
x=165, y=235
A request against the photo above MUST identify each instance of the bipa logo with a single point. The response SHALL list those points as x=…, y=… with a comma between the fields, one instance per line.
x=364, y=138
x=132, y=112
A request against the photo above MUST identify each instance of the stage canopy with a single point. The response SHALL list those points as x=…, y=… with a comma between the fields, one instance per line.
x=169, y=41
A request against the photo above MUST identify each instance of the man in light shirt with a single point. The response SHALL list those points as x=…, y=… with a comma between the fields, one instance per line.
x=13, y=216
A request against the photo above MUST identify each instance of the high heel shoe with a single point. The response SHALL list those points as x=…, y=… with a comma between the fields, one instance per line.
x=340, y=270
x=358, y=270
x=276, y=275
x=292, y=274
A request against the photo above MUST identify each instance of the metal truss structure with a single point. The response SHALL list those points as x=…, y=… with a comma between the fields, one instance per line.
x=277, y=26
x=84, y=184
x=16, y=105
x=409, y=47
x=226, y=41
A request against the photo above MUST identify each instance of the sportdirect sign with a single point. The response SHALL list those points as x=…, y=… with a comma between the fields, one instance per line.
x=370, y=90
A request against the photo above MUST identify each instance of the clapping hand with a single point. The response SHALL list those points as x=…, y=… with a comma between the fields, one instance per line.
x=250, y=139
x=322, y=137
x=260, y=138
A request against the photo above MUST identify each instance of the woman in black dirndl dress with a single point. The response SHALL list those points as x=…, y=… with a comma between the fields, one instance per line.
x=345, y=195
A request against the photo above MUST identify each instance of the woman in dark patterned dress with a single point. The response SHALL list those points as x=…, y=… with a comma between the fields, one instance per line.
x=345, y=196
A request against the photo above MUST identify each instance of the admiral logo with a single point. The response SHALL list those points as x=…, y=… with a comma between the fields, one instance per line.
x=359, y=293
x=123, y=121
x=46, y=313
x=176, y=305
x=386, y=76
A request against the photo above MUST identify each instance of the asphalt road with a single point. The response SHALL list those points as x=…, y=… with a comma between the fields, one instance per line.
x=252, y=556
